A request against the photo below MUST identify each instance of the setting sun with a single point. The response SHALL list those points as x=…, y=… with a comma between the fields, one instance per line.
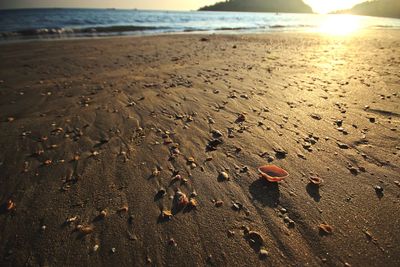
x=340, y=24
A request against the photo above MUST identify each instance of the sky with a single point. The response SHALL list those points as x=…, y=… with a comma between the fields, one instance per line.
x=320, y=6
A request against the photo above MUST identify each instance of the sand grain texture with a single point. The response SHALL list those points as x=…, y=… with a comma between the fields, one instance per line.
x=119, y=102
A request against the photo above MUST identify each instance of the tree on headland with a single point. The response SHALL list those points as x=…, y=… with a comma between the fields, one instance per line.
x=377, y=8
x=284, y=6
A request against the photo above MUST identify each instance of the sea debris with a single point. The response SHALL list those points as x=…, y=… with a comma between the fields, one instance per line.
x=325, y=229
x=166, y=215
x=181, y=199
x=10, y=205
x=124, y=208
x=192, y=203
x=71, y=220
x=218, y=203
x=85, y=229
x=264, y=253
x=273, y=173
x=315, y=180
x=47, y=162
x=102, y=214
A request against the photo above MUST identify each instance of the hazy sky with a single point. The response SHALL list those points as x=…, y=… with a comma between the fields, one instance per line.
x=317, y=5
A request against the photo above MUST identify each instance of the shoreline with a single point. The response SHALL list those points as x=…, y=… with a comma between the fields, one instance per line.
x=277, y=31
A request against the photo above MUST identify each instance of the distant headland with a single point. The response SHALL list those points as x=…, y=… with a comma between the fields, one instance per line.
x=283, y=6
x=376, y=8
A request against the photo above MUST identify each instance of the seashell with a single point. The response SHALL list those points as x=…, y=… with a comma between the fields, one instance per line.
x=192, y=203
x=71, y=220
x=181, y=199
x=190, y=160
x=273, y=173
x=76, y=158
x=10, y=119
x=166, y=215
x=47, y=162
x=85, y=229
x=155, y=172
x=103, y=214
x=325, y=229
x=10, y=205
x=123, y=209
x=315, y=180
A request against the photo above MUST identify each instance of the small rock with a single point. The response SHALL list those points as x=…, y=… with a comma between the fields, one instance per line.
x=343, y=145
x=264, y=254
x=316, y=116
x=223, y=176
x=241, y=118
x=218, y=203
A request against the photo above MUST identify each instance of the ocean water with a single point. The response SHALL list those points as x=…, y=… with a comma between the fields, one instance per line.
x=72, y=23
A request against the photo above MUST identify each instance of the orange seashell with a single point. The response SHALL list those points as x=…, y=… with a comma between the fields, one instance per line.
x=272, y=173
x=10, y=205
x=325, y=229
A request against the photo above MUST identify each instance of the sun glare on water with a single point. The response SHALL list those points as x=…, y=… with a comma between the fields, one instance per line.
x=340, y=24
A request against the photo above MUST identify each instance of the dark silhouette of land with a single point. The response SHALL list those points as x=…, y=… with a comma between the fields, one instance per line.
x=284, y=6
x=377, y=8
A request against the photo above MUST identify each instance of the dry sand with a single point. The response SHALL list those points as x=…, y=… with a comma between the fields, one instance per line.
x=86, y=127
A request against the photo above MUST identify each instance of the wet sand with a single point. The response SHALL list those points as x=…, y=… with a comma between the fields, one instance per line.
x=132, y=151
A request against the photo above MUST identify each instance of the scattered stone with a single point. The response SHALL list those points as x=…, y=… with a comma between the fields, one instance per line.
x=264, y=254
x=255, y=238
x=172, y=242
x=280, y=153
x=223, y=176
x=343, y=145
x=316, y=116
x=353, y=170
x=161, y=193
x=212, y=144
x=241, y=118
x=218, y=203
x=216, y=133
x=379, y=190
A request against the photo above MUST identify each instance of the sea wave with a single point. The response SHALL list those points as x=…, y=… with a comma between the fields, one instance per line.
x=89, y=30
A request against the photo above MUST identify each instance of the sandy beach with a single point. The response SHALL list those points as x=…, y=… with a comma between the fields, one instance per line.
x=134, y=151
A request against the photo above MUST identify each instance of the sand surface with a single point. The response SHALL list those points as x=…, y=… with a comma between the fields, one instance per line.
x=92, y=132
